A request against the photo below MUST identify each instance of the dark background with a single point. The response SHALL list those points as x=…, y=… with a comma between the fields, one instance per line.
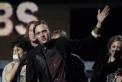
x=84, y=19
x=77, y=17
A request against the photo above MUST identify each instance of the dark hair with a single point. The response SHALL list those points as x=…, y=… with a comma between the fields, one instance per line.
x=113, y=39
x=38, y=23
x=23, y=43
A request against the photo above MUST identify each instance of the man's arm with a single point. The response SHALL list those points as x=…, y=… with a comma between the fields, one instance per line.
x=78, y=45
x=101, y=16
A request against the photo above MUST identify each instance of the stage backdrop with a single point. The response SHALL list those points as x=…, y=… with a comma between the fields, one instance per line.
x=77, y=18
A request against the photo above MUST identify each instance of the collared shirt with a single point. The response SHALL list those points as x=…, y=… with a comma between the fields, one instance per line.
x=55, y=65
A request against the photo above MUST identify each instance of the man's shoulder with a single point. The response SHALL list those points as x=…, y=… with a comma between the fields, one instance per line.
x=35, y=50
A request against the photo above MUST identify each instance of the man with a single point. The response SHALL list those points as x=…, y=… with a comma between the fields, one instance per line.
x=49, y=61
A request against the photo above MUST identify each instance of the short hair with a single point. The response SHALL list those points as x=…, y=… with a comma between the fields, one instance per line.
x=113, y=39
x=38, y=23
x=22, y=42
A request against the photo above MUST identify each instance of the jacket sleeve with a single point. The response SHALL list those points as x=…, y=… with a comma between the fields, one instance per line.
x=77, y=46
x=31, y=75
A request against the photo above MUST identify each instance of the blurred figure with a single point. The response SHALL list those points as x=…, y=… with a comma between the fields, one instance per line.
x=30, y=33
x=108, y=64
x=118, y=78
x=15, y=71
x=118, y=75
x=58, y=33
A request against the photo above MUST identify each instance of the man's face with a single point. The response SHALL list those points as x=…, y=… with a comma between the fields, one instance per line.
x=115, y=46
x=42, y=33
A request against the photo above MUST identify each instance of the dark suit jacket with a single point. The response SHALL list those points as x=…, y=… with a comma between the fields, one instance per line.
x=37, y=67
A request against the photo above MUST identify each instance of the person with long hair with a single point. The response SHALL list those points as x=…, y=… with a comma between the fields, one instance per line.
x=106, y=65
x=15, y=71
